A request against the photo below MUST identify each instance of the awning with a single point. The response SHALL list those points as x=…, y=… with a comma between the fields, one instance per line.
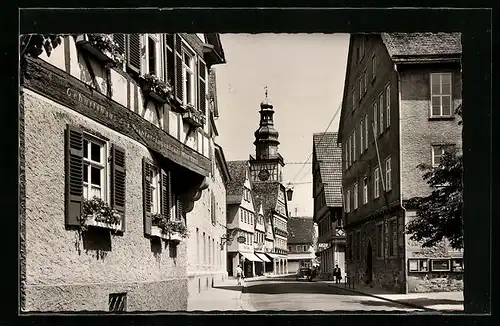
x=263, y=257
x=272, y=256
x=250, y=256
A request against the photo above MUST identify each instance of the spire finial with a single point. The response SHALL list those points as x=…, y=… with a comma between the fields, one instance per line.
x=265, y=88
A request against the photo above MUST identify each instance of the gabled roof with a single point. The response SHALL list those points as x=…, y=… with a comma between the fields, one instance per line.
x=328, y=155
x=266, y=193
x=422, y=44
x=221, y=162
x=238, y=171
x=300, y=230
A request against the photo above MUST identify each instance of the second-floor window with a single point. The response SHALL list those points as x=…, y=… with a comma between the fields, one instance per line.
x=298, y=248
x=375, y=118
x=388, y=179
x=355, y=195
x=387, y=106
x=381, y=112
x=188, y=76
x=354, y=144
x=152, y=63
x=366, y=131
x=376, y=183
x=361, y=137
x=441, y=99
x=365, y=190
x=438, y=152
x=304, y=248
x=94, y=168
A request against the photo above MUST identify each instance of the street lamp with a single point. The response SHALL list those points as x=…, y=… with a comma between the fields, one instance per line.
x=289, y=192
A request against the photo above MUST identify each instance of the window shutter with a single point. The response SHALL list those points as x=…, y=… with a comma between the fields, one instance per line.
x=146, y=188
x=120, y=40
x=165, y=193
x=134, y=53
x=202, y=86
x=118, y=181
x=170, y=57
x=74, y=175
x=179, y=210
x=179, y=82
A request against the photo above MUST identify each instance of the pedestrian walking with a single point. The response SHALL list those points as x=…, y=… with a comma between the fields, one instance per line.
x=337, y=273
x=239, y=274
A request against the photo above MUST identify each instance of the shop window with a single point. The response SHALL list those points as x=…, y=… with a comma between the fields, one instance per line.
x=457, y=265
x=440, y=265
x=418, y=265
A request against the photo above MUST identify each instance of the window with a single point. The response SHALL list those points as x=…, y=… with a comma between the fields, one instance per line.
x=441, y=101
x=355, y=195
x=297, y=248
x=440, y=265
x=290, y=248
x=374, y=66
x=197, y=245
x=375, y=118
x=365, y=190
x=304, y=248
x=366, y=131
x=387, y=106
x=152, y=56
x=365, y=81
x=392, y=237
x=188, y=63
x=354, y=99
x=361, y=138
x=94, y=168
x=388, y=179
x=348, y=151
x=155, y=189
x=241, y=215
x=354, y=144
x=380, y=240
x=376, y=183
x=381, y=112
x=438, y=152
x=362, y=48
x=418, y=265
x=348, y=201
x=457, y=265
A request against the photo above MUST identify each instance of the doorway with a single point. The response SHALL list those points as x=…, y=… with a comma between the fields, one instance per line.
x=369, y=264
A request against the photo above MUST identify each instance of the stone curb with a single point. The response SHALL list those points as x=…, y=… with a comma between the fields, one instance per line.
x=386, y=299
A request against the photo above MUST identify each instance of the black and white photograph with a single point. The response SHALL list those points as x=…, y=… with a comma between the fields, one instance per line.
x=242, y=172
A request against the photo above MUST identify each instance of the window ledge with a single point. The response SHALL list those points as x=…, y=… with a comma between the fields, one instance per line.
x=438, y=118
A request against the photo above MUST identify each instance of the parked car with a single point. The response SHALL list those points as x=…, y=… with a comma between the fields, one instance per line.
x=303, y=273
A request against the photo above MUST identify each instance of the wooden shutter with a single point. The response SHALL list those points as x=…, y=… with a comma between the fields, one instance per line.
x=120, y=40
x=134, y=53
x=118, y=181
x=179, y=209
x=202, y=86
x=146, y=189
x=74, y=175
x=179, y=82
x=170, y=58
x=165, y=193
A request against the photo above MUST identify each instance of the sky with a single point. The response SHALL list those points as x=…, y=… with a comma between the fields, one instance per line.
x=305, y=76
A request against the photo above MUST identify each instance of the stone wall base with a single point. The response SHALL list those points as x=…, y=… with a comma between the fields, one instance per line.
x=438, y=283
x=169, y=295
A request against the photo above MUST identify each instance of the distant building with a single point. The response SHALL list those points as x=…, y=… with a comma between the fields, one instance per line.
x=301, y=251
x=327, y=194
x=398, y=110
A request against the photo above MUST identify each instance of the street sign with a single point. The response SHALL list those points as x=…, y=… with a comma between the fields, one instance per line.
x=323, y=245
x=241, y=239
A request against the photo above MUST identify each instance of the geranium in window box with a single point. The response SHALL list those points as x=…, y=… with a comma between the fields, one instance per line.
x=101, y=46
x=193, y=116
x=156, y=88
x=97, y=213
x=167, y=229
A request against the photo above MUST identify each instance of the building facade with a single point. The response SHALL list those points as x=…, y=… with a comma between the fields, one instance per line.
x=122, y=156
x=327, y=194
x=400, y=94
x=241, y=219
x=301, y=249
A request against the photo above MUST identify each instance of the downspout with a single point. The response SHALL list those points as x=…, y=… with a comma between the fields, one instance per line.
x=405, y=253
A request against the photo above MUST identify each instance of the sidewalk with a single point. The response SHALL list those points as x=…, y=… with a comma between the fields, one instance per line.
x=222, y=297
x=438, y=301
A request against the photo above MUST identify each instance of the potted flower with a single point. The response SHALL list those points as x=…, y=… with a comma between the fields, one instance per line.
x=165, y=228
x=102, y=46
x=97, y=213
x=194, y=116
x=156, y=88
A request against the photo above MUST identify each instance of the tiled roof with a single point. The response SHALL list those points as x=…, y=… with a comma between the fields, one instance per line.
x=237, y=170
x=267, y=194
x=422, y=44
x=300, y=230
x=329, y=157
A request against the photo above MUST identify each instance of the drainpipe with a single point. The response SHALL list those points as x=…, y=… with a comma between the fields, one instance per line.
x=405, y=253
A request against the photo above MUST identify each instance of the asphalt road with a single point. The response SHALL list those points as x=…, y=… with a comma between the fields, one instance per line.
x=288, y=294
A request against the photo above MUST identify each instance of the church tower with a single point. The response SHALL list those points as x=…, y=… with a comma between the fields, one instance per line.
x=268, y=163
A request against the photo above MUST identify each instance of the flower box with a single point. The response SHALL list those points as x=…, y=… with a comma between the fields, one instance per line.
x=155, y=88
x=193, y=117
x=93, y=220
x=83, y=42
x=147, y=91
x=158, y=232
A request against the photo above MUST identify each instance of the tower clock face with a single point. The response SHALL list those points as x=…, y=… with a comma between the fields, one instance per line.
x=264, y=174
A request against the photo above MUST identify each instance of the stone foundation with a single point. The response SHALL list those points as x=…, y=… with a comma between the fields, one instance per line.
x=169, y=295
x=434, y=282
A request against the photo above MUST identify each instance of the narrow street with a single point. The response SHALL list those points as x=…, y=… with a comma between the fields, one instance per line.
x=285, y=293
